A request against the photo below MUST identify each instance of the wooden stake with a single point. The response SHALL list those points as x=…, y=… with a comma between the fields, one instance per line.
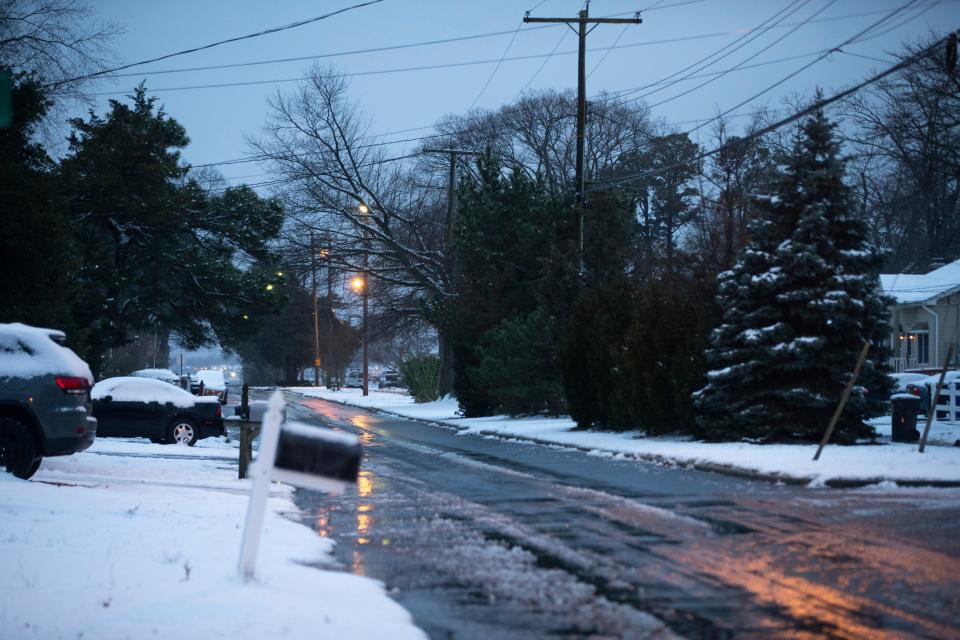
x=843, y=400
x=935, y=399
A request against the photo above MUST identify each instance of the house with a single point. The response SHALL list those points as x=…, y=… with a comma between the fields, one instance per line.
x=925, y=317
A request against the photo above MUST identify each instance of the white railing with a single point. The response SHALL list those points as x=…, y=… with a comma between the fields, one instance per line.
x=948, y=404
x=899, y=365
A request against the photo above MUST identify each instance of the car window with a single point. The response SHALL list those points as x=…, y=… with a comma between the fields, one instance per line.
x=11, y=345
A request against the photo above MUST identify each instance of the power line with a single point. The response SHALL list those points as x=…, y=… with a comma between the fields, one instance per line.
x=338, y=54
x=750, y=35
x=646, y=43
x=816, y=105
x=742, y=62
x=811, y=63
x=246, y=159
x=257, y=34
x=825, y=53
x=822, y=54
x=499, y=64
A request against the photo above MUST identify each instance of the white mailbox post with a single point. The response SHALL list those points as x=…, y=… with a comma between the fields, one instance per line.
x=301, y=455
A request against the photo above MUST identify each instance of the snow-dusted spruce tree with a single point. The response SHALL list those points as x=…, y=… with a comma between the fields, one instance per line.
x=798, y=306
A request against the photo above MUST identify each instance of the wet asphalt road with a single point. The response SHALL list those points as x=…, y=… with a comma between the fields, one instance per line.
x=482, y=538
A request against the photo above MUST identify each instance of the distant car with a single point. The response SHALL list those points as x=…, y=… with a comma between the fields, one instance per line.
x=927, y=384
x=353, y=378
x=211, y=382
x=158, y=374
x=148, y=408
x=389, y=379
x=44, y=398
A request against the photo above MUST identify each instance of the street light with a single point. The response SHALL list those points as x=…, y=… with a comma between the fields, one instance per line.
x=359, y=284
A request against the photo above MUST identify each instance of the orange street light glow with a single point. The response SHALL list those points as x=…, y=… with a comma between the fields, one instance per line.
x=357, y=284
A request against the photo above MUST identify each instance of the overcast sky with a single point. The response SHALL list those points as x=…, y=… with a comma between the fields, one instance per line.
x=674, y=34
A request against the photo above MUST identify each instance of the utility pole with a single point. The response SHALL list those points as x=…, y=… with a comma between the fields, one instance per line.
x=446, y=353
x=316, y=315
x=582, y=20
x=331, y=316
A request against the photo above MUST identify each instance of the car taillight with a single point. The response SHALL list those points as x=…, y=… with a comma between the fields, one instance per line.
x=74, y=385
x=913, y=390
x=219, y=413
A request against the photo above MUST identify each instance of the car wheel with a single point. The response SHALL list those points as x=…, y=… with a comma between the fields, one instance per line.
x=183, y=431
x=18, y=452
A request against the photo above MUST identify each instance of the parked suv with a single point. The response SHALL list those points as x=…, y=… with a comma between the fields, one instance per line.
x=45, y=405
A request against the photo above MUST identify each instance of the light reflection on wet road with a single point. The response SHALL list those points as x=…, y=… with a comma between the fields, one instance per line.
x=481, y=538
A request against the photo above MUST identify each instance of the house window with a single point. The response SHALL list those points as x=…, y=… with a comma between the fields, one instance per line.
x=923, y=348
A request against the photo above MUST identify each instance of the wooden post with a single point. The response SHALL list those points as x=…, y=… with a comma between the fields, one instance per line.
x=932, y=412
x=843, y=400
x=261, y=486
x=246, y=441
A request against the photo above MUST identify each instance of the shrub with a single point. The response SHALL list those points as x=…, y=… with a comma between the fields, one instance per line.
x=518, y=366
x=421, y=375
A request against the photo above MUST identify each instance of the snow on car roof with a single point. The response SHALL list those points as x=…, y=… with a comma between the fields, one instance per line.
x=30, y=352
x=211, y=378
x=131, y=389
x=159, y=374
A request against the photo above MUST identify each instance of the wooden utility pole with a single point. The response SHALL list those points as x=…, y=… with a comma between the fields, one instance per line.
x=316, y=316
x=330, y=317
x=843, y=400
x=582, y=20
x=935, y=400
x=446, y=353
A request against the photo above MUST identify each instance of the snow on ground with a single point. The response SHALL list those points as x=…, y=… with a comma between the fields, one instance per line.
x=135, y=540
x=874, y=462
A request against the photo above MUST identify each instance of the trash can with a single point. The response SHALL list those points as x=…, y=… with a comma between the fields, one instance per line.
x=904, y=423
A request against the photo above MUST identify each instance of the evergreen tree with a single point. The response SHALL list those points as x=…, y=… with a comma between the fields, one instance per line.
x=37, y=246
x=662, y=357
x=509, y=229
x=798, y=306
x=155, y=250
x=592, y=372
x=517, y=365
x=600, y=316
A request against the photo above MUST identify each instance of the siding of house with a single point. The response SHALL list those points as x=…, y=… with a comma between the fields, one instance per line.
x=907, y=316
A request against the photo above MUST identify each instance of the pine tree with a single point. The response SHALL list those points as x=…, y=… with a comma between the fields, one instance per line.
x=509, y=228
x=798, y=306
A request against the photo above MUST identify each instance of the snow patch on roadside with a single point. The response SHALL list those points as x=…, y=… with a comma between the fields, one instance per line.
x=136, y=540
x=863, y=463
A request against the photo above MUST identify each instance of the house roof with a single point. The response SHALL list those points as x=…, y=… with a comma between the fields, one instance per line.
x=910, y=288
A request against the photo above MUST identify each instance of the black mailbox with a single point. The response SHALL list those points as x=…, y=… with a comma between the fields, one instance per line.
x=316, y=457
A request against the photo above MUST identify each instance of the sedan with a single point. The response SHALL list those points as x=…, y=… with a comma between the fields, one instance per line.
x=147, y=408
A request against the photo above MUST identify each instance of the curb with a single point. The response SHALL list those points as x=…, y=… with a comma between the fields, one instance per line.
x=664, y=461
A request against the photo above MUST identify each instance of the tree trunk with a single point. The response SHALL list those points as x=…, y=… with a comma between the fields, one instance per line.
x=446, y=363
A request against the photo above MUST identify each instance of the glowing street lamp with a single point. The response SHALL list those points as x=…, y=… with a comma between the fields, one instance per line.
x=359, y=285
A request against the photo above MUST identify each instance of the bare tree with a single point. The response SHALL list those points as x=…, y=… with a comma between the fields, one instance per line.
x=58, y=41
x=728, y=183
x=538, y=134
x=909, y=172
x=369, y=212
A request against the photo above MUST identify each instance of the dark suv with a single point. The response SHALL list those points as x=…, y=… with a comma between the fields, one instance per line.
x=45, y=405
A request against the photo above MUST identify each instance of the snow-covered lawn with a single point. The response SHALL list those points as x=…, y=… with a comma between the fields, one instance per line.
x=874, y=463
x=136, y=540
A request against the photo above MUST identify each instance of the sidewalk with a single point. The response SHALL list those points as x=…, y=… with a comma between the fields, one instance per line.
x=839, y=466
x=136, y=540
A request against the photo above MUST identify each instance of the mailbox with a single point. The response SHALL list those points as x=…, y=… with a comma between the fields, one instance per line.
x=300, y=454
x=316, y=457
